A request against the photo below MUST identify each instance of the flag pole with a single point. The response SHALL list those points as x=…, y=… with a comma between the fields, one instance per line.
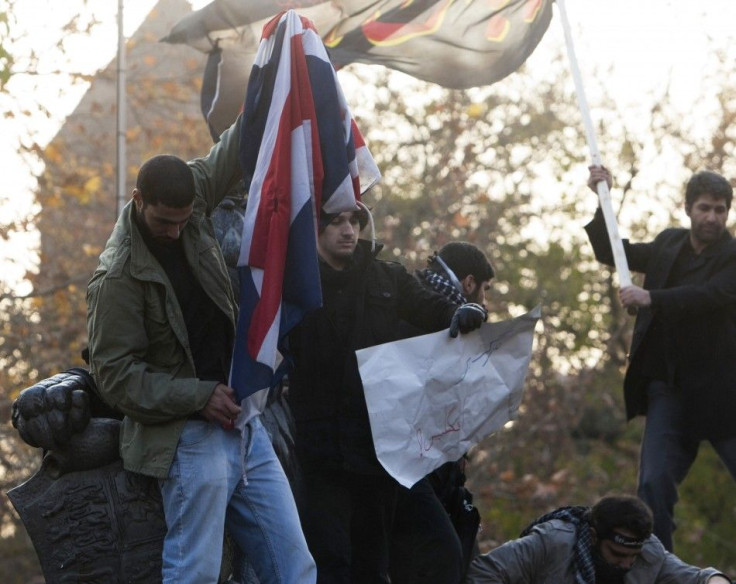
x=604, y=195
x=121, y=107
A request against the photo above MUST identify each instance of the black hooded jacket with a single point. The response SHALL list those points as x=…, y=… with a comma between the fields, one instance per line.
x=362, y=306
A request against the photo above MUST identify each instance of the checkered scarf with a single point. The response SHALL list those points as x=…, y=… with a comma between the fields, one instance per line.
x=578, y=516
x=440, y=283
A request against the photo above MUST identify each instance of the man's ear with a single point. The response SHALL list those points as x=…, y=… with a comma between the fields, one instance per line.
x=138, y=198
x=469, y=284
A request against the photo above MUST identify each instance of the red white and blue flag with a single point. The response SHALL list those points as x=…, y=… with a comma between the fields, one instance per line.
x=301, y=154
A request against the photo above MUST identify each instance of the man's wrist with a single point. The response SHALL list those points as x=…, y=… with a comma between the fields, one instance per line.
x=653, y=297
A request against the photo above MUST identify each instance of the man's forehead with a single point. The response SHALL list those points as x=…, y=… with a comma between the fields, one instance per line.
x=344, y=217
x=708, y=199
x=624, y=539
x=621, y=550
x=348, y=214
x=166, y=213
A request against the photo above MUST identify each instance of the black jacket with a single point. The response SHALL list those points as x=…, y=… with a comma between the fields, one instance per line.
x=697, y=318
x=362, y=307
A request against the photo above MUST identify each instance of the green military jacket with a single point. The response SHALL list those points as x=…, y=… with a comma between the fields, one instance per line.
x=139, y=347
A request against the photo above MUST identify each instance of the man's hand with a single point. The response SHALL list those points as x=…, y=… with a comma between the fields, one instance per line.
x=598, y=174
x=468, y=317
x=633, y=296
x=718, y=579
x=221, y=406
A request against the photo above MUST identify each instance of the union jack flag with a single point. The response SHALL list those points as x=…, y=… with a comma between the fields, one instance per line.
x=301, y=153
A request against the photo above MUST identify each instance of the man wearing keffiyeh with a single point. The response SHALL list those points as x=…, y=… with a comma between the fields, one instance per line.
x=435, y=528
x=608, y=543
x=460, y=271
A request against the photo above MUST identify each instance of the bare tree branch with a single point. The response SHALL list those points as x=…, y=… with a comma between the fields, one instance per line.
x=46, y=291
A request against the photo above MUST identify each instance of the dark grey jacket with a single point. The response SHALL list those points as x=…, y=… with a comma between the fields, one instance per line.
x=545, y=556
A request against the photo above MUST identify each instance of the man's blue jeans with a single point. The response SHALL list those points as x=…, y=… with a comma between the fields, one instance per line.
x=210, y=488
x=667, y=453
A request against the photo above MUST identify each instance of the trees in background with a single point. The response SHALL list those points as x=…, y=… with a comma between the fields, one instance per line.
x=503, y=167
x=20, y=346
x=73, y=209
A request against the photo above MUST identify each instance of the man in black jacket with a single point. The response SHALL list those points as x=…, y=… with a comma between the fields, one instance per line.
x=345, y=497
x=682, y=362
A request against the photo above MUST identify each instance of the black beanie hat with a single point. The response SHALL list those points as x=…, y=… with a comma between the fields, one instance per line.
x=325, y=218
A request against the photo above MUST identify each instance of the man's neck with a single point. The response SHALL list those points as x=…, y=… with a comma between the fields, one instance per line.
x=335, y=264
x=696, y=244
x=699, y=246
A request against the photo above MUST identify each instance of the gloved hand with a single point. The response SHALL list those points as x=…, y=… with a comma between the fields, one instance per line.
x=467, y=317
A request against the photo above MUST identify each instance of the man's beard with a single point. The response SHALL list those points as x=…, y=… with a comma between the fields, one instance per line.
x=140, y=220
x=607, y=573
x=707, y=235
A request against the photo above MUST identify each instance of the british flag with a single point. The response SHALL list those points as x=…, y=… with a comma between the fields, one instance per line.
x=301, y=154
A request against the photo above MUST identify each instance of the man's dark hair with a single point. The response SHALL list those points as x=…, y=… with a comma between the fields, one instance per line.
x=464, y=258
x=166, y=179
x=708, y=182
x=621, y=512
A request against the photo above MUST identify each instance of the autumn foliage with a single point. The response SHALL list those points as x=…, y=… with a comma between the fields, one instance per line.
x=504, y=168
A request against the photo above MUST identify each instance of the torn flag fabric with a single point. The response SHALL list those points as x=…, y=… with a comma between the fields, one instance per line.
x=301, y=154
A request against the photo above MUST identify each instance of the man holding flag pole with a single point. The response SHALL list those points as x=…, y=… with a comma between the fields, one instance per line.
x=680, y=374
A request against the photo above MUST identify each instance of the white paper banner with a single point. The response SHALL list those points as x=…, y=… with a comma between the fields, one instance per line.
x=431, y=398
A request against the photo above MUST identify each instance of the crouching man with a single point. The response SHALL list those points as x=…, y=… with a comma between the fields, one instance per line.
x=609, y=543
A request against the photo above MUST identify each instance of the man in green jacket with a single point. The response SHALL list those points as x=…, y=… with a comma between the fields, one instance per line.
x=161, y=321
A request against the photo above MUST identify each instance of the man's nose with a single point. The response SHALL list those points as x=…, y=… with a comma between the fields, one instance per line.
x=173, y=231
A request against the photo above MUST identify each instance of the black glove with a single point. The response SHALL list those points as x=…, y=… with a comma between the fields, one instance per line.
x=467, y=318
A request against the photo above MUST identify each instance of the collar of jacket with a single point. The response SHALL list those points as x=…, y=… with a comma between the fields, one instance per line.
x=364, y=253
x=714, y=247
